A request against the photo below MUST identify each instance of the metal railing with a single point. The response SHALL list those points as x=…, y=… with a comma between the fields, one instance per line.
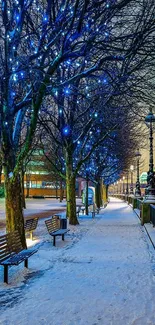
x=139, y=203
x=118, y=195
x=139, y=206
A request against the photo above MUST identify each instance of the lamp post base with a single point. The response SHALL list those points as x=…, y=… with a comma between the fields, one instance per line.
x=137, y=190
x=150, y=193
x=137, y=194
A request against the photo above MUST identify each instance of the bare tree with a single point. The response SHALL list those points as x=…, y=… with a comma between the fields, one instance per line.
x=39, y=37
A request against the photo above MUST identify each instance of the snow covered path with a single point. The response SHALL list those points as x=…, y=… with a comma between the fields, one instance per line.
x=103, y=274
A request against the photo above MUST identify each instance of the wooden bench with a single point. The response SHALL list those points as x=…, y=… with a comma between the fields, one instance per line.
x=83, y=209
x=93, y=209
x=12, y=252
x=53, y=227
x=30, y=226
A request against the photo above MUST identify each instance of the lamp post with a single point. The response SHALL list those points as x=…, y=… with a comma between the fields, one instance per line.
x=131, y=184
x=123, y=183
x=127, y=184
x=87, y=184
x=114, y=189
x=120, y=187
x=138, y=191
x=117, y=187
x=150, y=190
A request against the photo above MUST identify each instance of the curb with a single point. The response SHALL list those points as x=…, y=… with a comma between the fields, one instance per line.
x=147, y=232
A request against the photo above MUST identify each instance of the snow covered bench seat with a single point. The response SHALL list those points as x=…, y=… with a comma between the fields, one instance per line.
x=12, y=252
x=53, y=227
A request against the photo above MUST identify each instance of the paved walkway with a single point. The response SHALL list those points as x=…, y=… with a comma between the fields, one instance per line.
x=103, y=274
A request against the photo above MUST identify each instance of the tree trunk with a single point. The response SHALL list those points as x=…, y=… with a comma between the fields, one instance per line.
x=98, y=194
x=61, y=192
x=107, y=192
x=22, y=189
x=86, y=197
x=70, y=189
x=56, y=190
x=104, y=193
x=101, y=191
x=28, y=177
x=13, y=203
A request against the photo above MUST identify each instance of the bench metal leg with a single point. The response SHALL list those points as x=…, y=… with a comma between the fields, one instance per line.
x=63, y=237
x=26, y=263
x=53, y=240
x=31, y=235
x=6, y=273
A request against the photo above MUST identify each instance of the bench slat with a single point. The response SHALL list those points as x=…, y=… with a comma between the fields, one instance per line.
x=5, y=256
x=52, y=224
x=31, y=224
x=18, y=258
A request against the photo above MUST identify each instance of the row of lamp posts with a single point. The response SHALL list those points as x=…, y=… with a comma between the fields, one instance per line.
x=150, y=189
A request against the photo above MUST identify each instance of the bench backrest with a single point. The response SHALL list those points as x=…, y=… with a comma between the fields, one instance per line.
x=31, y=224
x=52, y=224
x=10, y=244
x=57, y=218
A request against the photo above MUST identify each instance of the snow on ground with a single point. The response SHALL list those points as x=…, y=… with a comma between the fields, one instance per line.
x=103, y=274
x=36, y=206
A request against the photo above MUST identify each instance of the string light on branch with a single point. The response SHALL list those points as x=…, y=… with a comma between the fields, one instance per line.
x=67, y=91
x=66, y=131
x=45, y=18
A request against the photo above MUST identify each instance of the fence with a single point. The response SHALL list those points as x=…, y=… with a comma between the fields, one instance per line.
x=147, y=210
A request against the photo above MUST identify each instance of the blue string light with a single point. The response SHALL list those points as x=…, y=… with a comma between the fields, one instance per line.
x=66, y=131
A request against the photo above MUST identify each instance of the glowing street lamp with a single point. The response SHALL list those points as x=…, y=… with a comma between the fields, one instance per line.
x=138, y=191
x=127, y=184
x=131, y=184
x=114, y=188
x=123, y=183
x=120, y=188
